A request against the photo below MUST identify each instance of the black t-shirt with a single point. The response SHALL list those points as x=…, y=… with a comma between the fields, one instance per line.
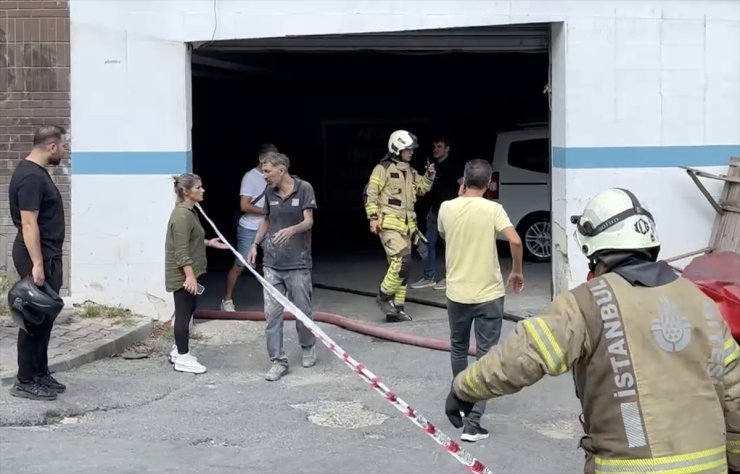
x=295, y=254
x=445, y=183
x=31, y=189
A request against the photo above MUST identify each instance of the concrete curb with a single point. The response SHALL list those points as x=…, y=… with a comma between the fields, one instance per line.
x=93, y=351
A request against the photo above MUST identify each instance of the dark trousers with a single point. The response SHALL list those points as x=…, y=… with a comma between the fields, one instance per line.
x=486, y=319
x=185, y=304
x=33, y=349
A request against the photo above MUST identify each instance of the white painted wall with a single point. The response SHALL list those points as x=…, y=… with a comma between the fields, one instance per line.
x=626, y=73
x=684, y=216
x=130, y=93
x=653, y=74
x=561, y=275
x=118, y=255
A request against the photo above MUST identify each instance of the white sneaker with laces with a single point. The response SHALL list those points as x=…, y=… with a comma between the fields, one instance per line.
x=172, y=356
x=228, y=305
x=188, y=363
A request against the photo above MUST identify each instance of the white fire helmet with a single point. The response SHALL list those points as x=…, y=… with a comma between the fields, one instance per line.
x=615, y=220
x=401, y=140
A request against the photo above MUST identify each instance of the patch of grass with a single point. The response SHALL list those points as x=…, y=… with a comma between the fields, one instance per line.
x=198, y=336
x=164, y=332
x=121, y=315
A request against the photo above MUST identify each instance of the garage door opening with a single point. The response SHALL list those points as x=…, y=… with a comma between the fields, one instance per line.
x=330, y=103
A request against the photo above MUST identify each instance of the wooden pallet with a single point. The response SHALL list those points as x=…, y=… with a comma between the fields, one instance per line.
x=726, y=229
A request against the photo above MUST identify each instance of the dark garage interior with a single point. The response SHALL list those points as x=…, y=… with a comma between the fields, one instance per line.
x=331, y=110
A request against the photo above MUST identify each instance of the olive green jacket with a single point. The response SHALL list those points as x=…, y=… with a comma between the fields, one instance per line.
x=184, y=245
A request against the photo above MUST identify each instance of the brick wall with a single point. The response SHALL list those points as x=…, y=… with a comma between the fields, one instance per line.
x=34, y=91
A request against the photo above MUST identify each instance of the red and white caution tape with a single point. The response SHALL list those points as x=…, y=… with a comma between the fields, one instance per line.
x=467, y=459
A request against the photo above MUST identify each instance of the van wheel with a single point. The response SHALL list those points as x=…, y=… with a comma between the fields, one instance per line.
x=536, y=236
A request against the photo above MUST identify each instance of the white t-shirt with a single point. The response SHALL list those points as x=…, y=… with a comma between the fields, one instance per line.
x=253, y=185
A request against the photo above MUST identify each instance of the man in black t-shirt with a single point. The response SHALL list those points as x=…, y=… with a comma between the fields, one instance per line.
x=446, y=185
x=37, y=212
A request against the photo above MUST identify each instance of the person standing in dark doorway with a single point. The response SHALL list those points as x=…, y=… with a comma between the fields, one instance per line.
x=447, y=182
x=37, y=211
x=252, y=206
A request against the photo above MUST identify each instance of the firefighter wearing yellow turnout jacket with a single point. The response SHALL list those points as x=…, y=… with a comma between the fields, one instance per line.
x=390, y=196
x=655, y=366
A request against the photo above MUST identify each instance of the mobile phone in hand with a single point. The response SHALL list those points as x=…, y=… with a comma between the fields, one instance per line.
x=200, y=289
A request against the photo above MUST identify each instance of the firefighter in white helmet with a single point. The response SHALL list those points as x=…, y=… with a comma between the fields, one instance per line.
x=389, y=198
x=655, y=366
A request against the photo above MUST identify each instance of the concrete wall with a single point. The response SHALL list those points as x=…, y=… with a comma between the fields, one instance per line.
x=648, y=88
x=638, y=89
x=34, y=91
x=130, y=101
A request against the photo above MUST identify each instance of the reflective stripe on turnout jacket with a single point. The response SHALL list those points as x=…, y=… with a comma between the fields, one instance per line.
x=391, y=194
x=656, y=370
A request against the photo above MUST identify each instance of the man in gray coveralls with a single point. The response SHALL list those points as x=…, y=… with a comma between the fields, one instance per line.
x=285, y=237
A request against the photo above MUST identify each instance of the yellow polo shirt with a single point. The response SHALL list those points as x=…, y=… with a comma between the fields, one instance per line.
x=469, y=226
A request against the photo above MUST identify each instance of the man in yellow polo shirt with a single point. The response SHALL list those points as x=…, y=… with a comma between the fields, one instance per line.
x=475, y=287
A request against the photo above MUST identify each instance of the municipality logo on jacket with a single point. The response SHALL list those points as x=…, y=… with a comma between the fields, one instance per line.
x=671, y=331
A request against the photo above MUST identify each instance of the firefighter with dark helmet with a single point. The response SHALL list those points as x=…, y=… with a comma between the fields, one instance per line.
x=389, y=198
x=655, y=366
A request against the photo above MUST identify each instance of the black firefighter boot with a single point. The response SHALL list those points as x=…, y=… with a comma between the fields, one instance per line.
x=385, y=303
x=398, y=316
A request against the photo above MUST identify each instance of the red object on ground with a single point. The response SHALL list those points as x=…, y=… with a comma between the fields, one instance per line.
x=718, y=276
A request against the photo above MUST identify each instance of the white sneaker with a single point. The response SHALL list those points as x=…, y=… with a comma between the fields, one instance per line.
x=277, y=370
x=228, y=305
x=441, y=285
x=422, y=283
x=309, y=356
x=188, y=363
x=172, y=356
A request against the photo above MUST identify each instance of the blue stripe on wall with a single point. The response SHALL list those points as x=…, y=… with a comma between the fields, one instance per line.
x=131, y=162
x=174, y=162
x=643, y=157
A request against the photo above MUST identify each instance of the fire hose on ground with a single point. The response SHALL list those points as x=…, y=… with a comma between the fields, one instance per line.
x=352, y=324
x=453, y=448
x=420, y=301
x=342, y=322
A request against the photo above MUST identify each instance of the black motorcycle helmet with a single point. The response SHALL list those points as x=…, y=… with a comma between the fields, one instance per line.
x=30, y=305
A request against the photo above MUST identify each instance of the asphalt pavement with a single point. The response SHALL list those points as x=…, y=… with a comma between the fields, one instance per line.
x=139, y=416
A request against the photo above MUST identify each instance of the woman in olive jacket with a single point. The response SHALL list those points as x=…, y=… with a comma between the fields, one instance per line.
x=185, y=261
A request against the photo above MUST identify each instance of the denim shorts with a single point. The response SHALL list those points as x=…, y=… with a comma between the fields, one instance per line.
x=244, y=239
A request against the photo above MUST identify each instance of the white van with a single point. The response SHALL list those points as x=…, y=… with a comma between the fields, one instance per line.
x=521, y=184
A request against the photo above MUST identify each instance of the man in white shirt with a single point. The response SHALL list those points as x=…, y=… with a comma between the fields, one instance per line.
x=252, y=205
